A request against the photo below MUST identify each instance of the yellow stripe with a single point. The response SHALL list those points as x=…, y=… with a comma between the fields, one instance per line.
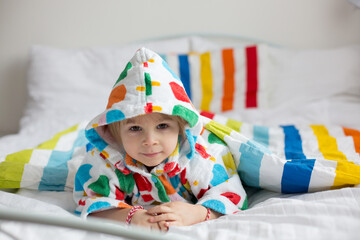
x=52, y=142
x=327, y=144
x=346, y=172
x=206, y=81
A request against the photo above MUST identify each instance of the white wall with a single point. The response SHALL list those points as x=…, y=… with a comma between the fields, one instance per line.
x=81, y=23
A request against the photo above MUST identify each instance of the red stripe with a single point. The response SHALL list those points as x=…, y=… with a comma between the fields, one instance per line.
x=251, y=77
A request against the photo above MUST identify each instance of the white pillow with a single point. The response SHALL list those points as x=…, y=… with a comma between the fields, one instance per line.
x=69, y=86
x=299, y=76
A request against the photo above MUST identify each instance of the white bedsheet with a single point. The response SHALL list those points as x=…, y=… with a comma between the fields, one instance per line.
x=333, y=214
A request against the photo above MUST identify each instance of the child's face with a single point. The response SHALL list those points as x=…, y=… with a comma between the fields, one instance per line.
x=149, y=138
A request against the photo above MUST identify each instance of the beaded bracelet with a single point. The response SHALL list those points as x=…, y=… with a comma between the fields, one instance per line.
x=131, y=213
x=208, y=214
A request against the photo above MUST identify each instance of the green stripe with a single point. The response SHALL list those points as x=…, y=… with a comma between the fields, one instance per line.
x=50, y=144
x=218, y=129
x=11, y=170
x=233, y=124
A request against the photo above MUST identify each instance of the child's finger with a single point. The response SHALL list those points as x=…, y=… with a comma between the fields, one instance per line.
x=158, y=210
x=164, y=217
x=164, y=226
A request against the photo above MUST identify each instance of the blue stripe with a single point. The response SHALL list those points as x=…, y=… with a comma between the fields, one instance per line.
x=56, y=171
x=261, y=135
x=293, y=143
x=250, y=162
x=185, y=73
x=296, y=175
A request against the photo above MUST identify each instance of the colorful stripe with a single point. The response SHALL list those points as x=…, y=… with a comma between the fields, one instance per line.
x=347, y=174
x=261, y=135
x=233, y=124
x=296, y=176
x=328, y=147
x=355, y=134
x=57, y=170
x=52, y=142
x=251, y=77
x=327, y=144
x=293, y=143
x=250, y=170
x=229, y=79
x=10, y=176
x=206, y=81
x=184, y=70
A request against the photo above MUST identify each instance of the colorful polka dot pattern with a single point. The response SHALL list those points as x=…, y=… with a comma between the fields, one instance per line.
x=111, y=178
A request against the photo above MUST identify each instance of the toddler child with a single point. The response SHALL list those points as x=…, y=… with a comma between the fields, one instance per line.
x=149, y=161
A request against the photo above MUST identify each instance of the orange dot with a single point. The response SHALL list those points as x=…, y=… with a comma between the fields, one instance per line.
x=117, y=95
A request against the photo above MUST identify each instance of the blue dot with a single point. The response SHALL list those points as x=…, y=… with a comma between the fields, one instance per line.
x=154, y=179
x=82, y=176
x=216, y=205
x=114, y=115
x=98, y=205
x=219, y=175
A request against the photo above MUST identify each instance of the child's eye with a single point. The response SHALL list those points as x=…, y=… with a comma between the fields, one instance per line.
x=162, y=126
x=135, y=128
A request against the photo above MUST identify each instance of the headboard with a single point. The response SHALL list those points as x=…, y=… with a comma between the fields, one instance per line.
x=91, y=23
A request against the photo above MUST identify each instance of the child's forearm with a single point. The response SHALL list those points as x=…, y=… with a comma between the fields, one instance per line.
x=116, y=214
x=213, y=214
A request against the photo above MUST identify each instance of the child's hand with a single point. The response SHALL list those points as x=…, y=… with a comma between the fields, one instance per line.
x=177, y=214
x=142, y=218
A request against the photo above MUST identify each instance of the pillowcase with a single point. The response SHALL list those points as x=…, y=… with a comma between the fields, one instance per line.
x=259, y=77
x=299, y=76
x=224, y=79
x=69, y=86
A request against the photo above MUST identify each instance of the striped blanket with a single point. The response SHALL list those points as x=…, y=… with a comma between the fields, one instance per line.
x=285, y=159
x=291, y=158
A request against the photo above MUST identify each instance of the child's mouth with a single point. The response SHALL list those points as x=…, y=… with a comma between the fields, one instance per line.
x=150, y=155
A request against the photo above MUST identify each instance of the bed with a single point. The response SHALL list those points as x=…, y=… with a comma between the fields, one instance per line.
x=274, y=88
x=289, y=99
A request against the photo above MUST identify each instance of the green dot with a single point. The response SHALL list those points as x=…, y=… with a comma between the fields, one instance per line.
x=212, y=138
x=124, y=72
x=101, y=186
x=190, y=116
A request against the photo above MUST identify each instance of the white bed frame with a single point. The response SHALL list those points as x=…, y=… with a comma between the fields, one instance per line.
x=84, y=23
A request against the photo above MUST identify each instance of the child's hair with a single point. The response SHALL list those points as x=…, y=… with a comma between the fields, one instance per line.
x=115, y=127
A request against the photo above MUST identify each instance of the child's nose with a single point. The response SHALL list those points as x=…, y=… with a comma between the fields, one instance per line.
x=150, y=139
